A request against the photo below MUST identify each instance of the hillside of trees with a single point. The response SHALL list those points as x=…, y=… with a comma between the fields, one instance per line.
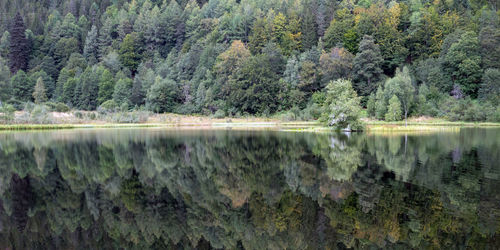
x=254, y=57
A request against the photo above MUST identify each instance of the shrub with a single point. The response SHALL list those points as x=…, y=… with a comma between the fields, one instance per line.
x=61, y=107
x=219, y=114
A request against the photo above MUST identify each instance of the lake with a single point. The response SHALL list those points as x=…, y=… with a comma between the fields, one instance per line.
x=187, y=189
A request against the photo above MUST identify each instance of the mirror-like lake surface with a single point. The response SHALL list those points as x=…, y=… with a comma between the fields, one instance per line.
x=178, y=189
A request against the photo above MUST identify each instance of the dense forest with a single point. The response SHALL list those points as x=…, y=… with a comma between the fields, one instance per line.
x=382, y=59
x=146, y=189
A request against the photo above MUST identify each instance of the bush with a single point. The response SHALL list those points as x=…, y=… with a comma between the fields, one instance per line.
x=61, y=107
x=58, y=107
x=7, y=111
x=40, y=115
x=108, y=106
x=18, y=105
x=219, y=114
x=131, y=117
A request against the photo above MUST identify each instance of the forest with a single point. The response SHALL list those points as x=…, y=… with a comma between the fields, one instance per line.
x=309, y=59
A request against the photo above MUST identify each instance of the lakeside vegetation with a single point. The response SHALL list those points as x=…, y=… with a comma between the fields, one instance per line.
x=321, y=60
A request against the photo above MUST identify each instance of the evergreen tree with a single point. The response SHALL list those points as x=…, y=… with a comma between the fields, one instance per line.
x=130, y=52
x=5, y=87
x=393, y=110
x=91, y=48
x=122, y=91
x=22, y=86
x=69, y=91
x=39, y=93
x=63, y=77
x=106, y=87
x=18, y=50
x=367, y=66
x=48, y=82
x=88, y=89
x=137, y=94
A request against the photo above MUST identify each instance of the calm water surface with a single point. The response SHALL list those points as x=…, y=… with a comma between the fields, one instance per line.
x=174, y=189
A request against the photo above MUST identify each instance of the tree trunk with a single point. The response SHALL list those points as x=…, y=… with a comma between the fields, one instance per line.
x=406, y=118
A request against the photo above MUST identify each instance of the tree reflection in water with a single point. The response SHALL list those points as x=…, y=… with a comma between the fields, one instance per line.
x=150, y=188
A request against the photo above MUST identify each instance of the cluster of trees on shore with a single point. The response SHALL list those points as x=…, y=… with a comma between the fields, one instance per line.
x=237, y=57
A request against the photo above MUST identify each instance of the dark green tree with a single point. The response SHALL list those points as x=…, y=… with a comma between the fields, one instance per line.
x=22, y=86
x=367, y=70
x=130, y=52
x=18, y=51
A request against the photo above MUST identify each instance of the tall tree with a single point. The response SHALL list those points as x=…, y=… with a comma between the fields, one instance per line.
x=39, y=94
x=401, y=86
x=22, y=86
x=18, y=45
x=462, y=62
x=342, y=106
x=130, y=52
x=367, y=66
x=91, y=48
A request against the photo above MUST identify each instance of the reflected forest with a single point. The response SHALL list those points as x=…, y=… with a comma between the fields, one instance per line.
x=169, y=189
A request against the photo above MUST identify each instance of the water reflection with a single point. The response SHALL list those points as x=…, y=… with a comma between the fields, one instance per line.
x=151, y=188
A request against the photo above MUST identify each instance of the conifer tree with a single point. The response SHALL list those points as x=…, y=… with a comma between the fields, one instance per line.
x=39, y=94
x=18, y=45
x=367, y=66
x=91, y=48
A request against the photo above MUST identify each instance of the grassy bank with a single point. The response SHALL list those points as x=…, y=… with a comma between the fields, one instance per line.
x=204, y=122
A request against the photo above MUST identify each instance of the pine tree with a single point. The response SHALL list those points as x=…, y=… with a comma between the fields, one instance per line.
x=39, y=94
x=367, y=66
x=88, y=89
x=106, y=87
x=122, y=91
x=18, y=45
x=22, y=86
x=129, y=52
x=91, y=48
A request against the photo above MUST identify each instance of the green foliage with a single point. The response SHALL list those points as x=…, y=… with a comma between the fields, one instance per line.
x=22, y=86
x=39, y=94
x=463, y=63
x=163, y=96
x=401, y=86
x=122, y=91
x=106, y=87
x=371, y=105
x=367, y=66
x=380, y=104
x=393, y=110
x=342, y=106
x=129, y=52
x=208, y=48
x=490, y=86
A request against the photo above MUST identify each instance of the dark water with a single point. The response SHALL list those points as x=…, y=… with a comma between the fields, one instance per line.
x=158, y=189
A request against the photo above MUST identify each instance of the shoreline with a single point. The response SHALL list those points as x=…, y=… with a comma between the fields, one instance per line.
x=308, y=126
